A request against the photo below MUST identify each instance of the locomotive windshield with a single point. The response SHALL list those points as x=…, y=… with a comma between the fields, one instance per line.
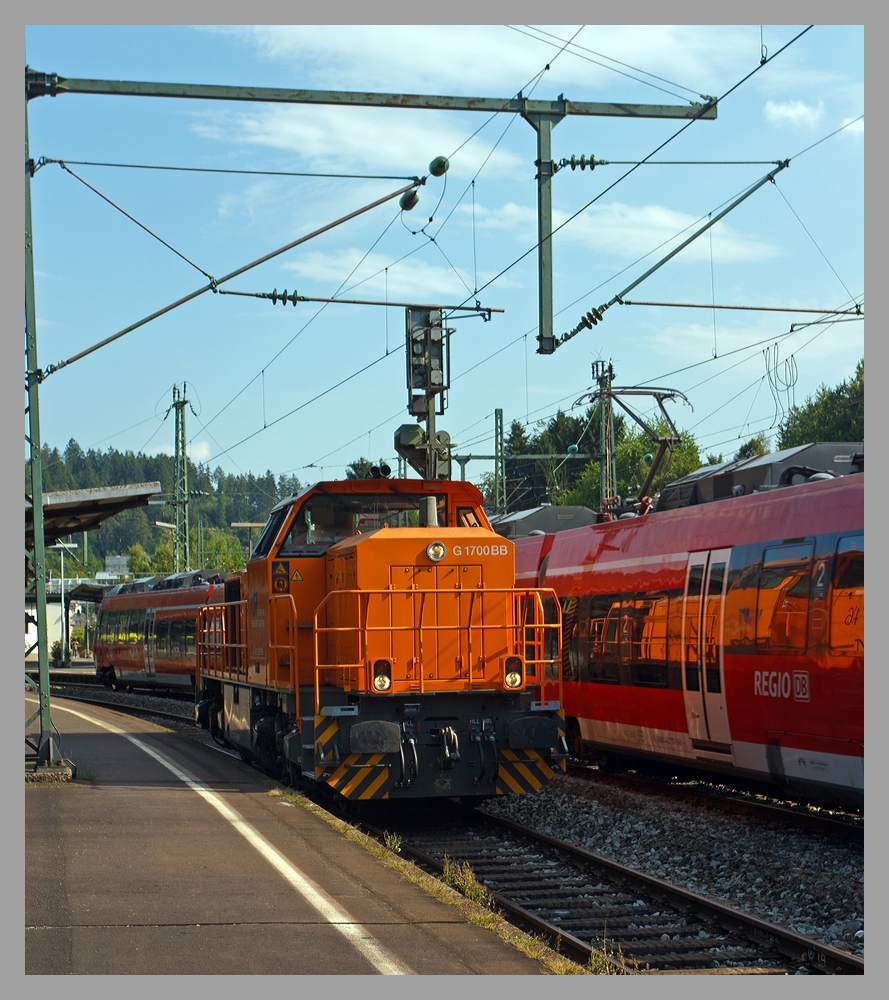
x=325, y=518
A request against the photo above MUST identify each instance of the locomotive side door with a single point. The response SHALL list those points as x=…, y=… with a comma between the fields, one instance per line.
x=703, y=681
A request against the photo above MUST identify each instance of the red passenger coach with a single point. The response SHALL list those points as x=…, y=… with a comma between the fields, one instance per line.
x=726, y=636
x=145, y=632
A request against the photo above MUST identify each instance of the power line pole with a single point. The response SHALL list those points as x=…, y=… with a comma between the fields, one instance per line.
x=499, y=464
x=46, y=753
x=181, y=544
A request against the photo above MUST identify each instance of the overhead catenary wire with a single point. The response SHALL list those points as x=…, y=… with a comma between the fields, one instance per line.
x=656, y=150
x=570, y=46
x=213, y=284
x=495, y=352
x=221, y=170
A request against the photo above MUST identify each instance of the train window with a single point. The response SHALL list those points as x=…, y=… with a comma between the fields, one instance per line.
x=326, y=518
x=711, y=628
x=162, y=631
x=176, y=635
x=646, y=631
x=467, y=518
x=187, y=637
x=847, y=597
x=269, y=533
x=782, y=612
x=603, y=663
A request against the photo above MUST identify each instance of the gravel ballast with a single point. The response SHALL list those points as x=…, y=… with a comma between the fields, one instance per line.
x=810, y=883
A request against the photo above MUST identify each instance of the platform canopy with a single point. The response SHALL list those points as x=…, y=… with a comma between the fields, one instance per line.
x=83, y=510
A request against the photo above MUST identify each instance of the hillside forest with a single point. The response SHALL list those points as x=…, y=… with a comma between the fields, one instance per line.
x=218, y=498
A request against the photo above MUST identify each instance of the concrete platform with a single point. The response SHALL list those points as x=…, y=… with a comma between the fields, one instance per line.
x=167, y=857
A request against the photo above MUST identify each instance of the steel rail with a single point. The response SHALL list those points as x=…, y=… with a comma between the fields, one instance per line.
x=796, y=946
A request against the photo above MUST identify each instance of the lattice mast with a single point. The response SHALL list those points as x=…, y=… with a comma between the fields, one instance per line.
x=181, y=545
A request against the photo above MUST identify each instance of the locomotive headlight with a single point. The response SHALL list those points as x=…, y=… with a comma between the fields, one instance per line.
x=382, y=675
x=436, y=551
x=513, y=672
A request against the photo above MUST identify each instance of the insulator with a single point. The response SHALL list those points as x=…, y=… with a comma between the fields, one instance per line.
x=597, y=314
x=583, y=163
x=275, y=297
x=284, y=298
x=573, y=162
x=439, y=166
x=408, y=200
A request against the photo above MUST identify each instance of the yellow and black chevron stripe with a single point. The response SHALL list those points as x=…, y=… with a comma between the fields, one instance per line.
x=356, y=776
x=523, y=771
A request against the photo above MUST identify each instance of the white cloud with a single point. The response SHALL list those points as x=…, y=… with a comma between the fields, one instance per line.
x=198, y=451
x=411, y=280
x=497, y=60
x=629, y=231
x=351, y=140
x=793, y=113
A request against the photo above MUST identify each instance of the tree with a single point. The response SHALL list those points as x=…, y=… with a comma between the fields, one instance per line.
x=759, y=444
x=223, y=551
x=830, y=415
x=533, y=481
x=163, y=562
x=138, y=561
x=360, y=468
x=632, y=468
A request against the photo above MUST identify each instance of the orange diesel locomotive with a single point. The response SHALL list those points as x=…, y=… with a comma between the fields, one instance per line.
x=376, y=643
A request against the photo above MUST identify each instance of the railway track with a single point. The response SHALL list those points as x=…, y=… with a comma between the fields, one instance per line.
x=585, y=903
x=733, y=801
x=580, y=901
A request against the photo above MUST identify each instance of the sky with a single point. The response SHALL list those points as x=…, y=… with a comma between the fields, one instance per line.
x=304, y=391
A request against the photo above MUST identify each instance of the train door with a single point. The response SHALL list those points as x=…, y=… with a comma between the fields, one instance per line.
x=703, y=614
x=150, y=642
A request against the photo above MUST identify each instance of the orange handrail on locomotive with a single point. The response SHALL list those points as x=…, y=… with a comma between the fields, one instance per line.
x=376, y=642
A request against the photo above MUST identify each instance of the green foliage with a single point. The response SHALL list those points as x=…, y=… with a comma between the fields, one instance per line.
x=632, y=468
x=530, y=481
x=163, y=562
x=221, y=499
x=223, y=551
x=830, y=415
x=461, y=877
x=138, y=561
x=360, y=468
x=759, y=444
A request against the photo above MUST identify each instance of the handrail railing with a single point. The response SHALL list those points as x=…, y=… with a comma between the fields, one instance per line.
x=524, y=633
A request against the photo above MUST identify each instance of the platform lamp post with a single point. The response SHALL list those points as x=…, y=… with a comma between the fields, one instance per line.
x=61, y=547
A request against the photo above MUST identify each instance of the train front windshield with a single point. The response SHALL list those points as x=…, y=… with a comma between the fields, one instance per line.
x=325, y=518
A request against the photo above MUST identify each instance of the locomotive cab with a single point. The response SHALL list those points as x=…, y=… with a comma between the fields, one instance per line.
x=376, y=643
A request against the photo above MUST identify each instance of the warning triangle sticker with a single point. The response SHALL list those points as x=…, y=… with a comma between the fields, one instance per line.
x=297, y=576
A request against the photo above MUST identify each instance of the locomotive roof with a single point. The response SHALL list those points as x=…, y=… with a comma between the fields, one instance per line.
x=420, y=487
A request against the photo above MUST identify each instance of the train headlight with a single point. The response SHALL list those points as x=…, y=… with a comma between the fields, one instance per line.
x=382, y=675
x=513, y=672
x=436, y=551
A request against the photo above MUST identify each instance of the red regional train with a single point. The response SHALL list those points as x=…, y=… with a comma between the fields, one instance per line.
x=726, y=636
x=145, y=630
x=376, y=644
